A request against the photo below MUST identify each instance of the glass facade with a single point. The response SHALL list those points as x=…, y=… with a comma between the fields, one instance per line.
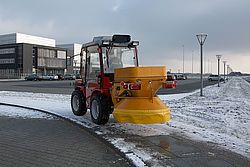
x=25, y=59
x=7, y=51
x=51, y=58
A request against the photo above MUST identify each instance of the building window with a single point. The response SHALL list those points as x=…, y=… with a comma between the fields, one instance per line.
x=61, y=54
x=7, y=61
x=7, y=51
x=46, y=53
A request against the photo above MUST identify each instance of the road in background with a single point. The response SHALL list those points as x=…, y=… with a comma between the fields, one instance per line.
x=54, y=87
x=67, y=86
x=186, y=86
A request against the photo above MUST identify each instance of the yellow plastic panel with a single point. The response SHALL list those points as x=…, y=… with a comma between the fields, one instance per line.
x=142, y=111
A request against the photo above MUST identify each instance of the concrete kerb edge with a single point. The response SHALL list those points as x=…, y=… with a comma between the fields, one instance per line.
x=103, y=140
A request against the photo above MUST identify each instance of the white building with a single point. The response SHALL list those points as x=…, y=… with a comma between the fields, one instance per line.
x=22, y=54
x=28, y=39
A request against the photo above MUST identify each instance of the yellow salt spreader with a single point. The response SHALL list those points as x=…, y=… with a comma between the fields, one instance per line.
x=134, y=95
x=113, y=83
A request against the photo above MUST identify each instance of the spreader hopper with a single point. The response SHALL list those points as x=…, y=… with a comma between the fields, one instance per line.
x=134, y=95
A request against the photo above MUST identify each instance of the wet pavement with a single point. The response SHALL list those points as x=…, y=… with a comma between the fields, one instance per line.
x=53, y=142
x=178, y=151
x=174, y=150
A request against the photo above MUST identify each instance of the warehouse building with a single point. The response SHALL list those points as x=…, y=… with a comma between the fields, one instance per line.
x=21, y=55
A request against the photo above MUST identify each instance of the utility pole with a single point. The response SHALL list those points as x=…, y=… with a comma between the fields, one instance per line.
x=224, y=62
x=204, y=65
x=192, y=61
x=183, y=70
x=218, y=57
x=211, y=67
x=207, y=65
x=227, y=71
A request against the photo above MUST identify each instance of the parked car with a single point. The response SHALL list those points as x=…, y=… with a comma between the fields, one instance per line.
x=60, y=76
x=50, y=77
x=214, y=78
x=69, y=77
x=78, y=76
x=33, y=77
x=180, y=76
x=171, y=81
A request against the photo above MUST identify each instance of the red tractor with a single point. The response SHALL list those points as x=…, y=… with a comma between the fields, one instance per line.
x=110, y=76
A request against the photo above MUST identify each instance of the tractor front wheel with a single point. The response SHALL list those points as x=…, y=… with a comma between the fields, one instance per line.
x=99, y=109
x=78, y=103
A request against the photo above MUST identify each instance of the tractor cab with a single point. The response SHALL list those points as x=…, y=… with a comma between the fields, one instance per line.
x=103, y=55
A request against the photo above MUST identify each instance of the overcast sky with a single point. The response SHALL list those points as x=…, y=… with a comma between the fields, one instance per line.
x=161, y=26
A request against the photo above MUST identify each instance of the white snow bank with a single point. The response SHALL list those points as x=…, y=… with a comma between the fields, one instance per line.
x=221, y=116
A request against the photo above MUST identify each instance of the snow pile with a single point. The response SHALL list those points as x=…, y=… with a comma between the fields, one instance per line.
x=221, y=116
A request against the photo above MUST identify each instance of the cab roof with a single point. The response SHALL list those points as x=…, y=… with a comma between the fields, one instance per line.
x=115, y=40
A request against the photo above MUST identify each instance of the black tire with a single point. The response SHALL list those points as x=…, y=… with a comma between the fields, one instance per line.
x=78, y=103
x=100, y=109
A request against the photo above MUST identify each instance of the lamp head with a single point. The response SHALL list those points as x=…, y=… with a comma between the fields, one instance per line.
x=218, y=56
x=201, y=38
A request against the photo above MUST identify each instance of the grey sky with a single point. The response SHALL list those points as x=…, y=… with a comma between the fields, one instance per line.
x=162, y=26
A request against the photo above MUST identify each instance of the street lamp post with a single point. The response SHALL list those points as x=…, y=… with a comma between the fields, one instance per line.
x=218, y=57
x=227, y=71
x=74, y=67
x=192, y=61
x=201, y=39
x=224, y=62
x=183, y=67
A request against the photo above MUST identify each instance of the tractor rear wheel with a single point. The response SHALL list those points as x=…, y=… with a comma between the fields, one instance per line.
x=78, y=103
x=100, y=109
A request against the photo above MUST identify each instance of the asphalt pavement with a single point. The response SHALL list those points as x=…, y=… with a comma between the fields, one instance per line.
x=53, y=87
x=54, y=142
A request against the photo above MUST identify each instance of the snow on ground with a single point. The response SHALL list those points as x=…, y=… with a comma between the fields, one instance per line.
x=15, y=112
x=222, y=116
